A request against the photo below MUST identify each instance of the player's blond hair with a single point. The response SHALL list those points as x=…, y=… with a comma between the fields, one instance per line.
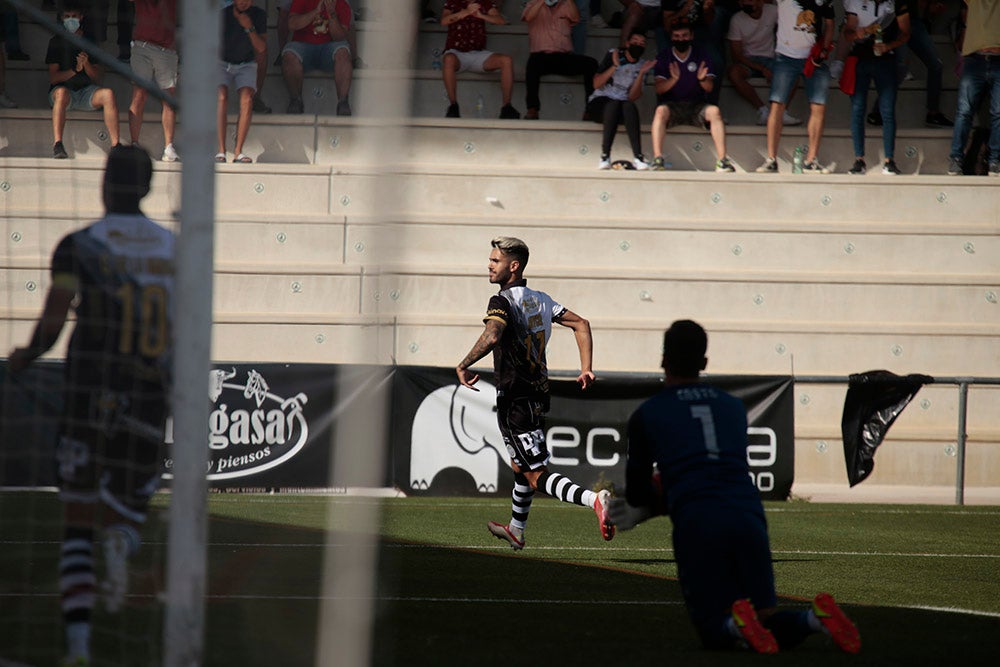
x=515, y=248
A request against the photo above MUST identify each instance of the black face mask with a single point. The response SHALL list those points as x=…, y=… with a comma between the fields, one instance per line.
x=747, y=8
x=636, y=51
x=682, y=45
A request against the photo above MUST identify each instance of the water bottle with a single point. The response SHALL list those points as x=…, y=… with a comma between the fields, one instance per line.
x=878, y=39
x=480, y=104
x=798, y=159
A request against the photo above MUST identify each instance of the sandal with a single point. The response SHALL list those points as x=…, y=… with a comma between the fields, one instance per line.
x=220, y=157
x=244, y=158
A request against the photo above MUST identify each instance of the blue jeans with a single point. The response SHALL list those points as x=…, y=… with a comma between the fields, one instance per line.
x=980, y=74
x=579, y=33
x=881, y=70
x=922, y=46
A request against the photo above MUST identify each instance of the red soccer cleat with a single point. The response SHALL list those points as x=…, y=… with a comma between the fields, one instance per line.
x=603, y=520
x=838, y=626
x=757, y=637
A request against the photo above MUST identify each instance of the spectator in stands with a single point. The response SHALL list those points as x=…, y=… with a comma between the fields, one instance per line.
x=804, y=37
x=921, y=44
x=643, y=15
x=751, y=50
x=11, y=32
x=465, y=51
x=95, y=25
x=684, y=77
x=979, y=43
x=244, y=38
x=876, y=30
x=154, y=57
x=323, y=38
x=74, y=78
x=5, y=102
x=700, y=15
x=618, y=84
x=549, y=25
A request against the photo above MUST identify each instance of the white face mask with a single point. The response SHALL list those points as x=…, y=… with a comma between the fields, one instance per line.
x=72, y=24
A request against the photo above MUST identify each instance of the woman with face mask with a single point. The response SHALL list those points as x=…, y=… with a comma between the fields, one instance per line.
x=73, y=80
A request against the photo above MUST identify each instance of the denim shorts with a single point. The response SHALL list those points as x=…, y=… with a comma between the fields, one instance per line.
x=79, y=100
x=785, y=73
x=316, y=56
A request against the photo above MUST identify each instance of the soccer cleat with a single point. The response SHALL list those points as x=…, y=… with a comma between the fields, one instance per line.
x=859, y=167
x=757, y=637
x=889, y=168
x=770, y=166
x=115, y=582
x=503, y=532
x=836, y=623
x=724, y=164
x=814, y=167
x=603, y=520
x=169, y=153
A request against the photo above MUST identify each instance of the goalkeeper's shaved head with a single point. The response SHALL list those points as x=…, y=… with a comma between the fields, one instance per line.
x=684, y=347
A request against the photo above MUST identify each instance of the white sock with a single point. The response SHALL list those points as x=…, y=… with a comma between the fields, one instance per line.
x=589, y=497
x=815, y=624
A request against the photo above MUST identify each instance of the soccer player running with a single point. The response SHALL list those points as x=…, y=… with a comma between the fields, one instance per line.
x=696, y=437
x=518, y=325
x=117, y=274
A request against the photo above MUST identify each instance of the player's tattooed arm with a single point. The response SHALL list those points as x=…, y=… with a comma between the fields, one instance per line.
x=487, y=341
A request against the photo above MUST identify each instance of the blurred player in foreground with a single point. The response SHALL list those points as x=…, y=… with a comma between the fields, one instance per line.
x=695, y=435
x=117, y=274
x=518, y=325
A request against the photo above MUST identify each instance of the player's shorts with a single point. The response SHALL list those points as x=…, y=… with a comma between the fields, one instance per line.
x=723, y=555
x=471, y=61
x=110, y=448
x=79, y=100
x=686, y=113
x=238, y=75
x=155, y=63
x=316, y=56
x=785, y=73
x=522, y=422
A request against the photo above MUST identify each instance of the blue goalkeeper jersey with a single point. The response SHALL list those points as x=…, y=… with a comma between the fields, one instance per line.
x=696, y=434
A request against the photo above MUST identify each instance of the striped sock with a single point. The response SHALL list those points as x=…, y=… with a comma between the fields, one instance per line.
x=520, y=501
x=563, y=488
x=77, y=586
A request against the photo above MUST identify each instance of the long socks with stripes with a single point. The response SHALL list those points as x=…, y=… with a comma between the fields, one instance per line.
x=520, y=501
x=77, y=588
x=563, y=488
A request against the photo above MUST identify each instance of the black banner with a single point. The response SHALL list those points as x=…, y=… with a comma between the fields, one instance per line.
x=445, y=440
x=272, y=426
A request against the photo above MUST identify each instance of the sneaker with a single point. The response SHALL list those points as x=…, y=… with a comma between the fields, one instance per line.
x=859, y=167
x=758, y=638
x=814, y=167
x=59, y=151
x=260, y=106
x=343, y=108
x=509, y=113
x=295, y=105
x=639, y=162
x=6, y=102
x=513, y=536
x=658, y=164
x=955, y=166
x=600, y=508
x=605, y=162
x=531, y=114
x=994, y=168
x=789, y=119
x=597, y=21
x=169, y=154
x=115, y=582
x=770, y=166
x=762, y=114
x=452, y=111
x=724, y=164
x=889, y=168
x=874, y=118
x=937, y=119
x=836, y=623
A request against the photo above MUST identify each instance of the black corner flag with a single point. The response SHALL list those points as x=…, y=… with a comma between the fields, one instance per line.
x=874, y=400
